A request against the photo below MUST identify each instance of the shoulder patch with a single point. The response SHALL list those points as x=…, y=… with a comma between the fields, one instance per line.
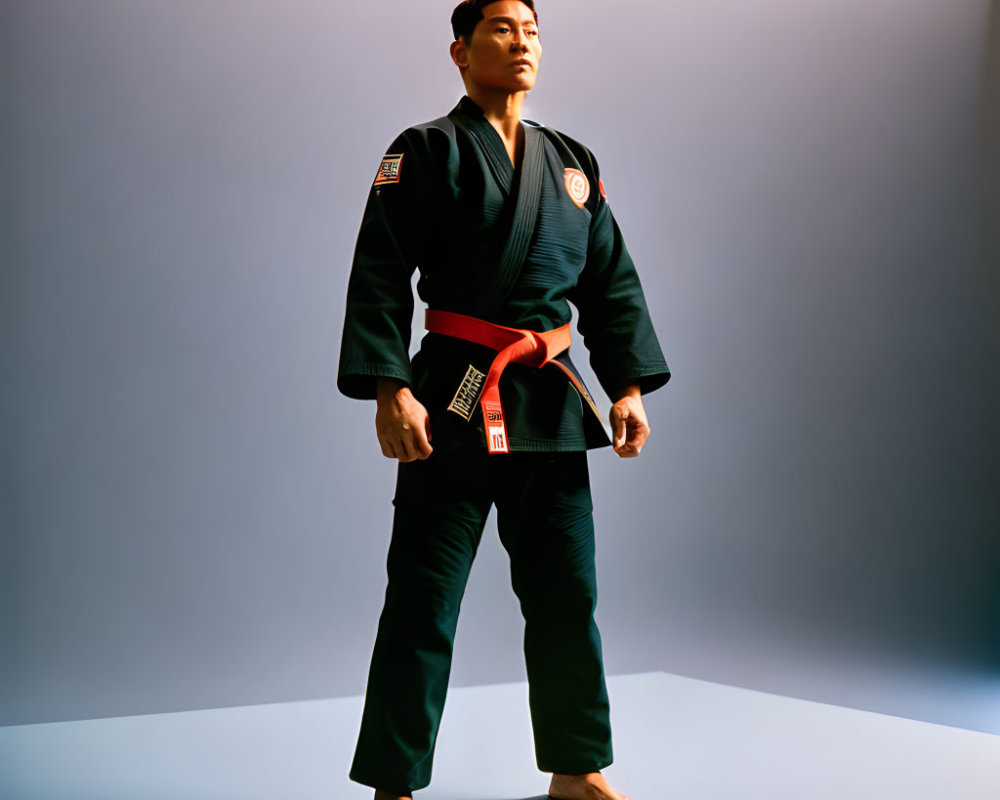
x=600, y=185
x=388, y=170
x=577, y=186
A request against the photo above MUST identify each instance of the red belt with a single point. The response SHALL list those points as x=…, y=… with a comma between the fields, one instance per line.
x=515, y=345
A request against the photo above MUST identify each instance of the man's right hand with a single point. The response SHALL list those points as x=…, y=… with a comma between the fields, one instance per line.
x=402, y=423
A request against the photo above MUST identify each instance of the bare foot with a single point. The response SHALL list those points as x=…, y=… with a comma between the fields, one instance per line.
x=592, y=786
x=380, y=795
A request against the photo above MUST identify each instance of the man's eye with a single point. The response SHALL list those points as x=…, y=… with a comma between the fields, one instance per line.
x=531, y=32
x=502, y=29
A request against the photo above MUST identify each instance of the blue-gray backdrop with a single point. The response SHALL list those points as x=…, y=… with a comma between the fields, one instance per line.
x=193, y=517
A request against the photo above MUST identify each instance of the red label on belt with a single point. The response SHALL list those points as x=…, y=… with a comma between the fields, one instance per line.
x=496, y=431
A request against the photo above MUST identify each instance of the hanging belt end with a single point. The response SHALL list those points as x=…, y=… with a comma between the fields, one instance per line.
x=496, y=431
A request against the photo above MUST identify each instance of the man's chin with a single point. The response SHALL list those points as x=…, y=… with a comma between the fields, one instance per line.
x=516, y=85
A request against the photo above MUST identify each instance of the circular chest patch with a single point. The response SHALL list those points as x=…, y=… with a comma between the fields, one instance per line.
x=577, y=186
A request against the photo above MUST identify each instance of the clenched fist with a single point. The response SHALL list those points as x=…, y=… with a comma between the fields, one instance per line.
x=628, y=423
x=402, y=423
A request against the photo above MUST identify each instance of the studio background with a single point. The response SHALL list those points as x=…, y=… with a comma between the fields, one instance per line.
x=193, y=517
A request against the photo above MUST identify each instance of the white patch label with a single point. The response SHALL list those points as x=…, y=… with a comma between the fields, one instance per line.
x=496, y=430
x=496, y=439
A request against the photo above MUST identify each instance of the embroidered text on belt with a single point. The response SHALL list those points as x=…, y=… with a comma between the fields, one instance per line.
x=515, y=345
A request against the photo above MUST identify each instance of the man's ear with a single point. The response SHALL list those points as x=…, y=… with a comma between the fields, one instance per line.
x=459, y=53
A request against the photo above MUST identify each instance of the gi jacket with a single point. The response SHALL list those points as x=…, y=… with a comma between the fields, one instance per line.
x=443, y=202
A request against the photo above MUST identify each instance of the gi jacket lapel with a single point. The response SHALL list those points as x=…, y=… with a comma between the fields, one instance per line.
x=522, y=226
x=470, y=116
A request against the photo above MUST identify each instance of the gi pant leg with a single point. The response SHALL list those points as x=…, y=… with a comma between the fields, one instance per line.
x=441, y=505
x=544, y=515
x=545, y=521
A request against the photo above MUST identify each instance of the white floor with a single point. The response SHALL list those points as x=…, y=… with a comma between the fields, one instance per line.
x=676, y=738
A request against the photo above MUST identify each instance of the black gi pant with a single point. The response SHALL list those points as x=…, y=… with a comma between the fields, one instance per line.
x=545, y=523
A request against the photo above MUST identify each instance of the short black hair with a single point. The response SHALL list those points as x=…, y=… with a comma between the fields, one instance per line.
x=468, y=13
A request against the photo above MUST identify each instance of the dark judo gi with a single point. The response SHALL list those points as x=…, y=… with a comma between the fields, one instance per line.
x=444, y=202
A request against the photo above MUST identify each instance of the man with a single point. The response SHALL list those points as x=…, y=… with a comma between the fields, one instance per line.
x=506, y=221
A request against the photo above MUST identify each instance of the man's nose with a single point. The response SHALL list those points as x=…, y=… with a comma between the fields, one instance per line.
x=519, y=42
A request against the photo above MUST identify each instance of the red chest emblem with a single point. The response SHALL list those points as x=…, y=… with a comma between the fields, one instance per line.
x=577, y=186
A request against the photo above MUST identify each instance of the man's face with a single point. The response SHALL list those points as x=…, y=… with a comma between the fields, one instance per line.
x=504, y=49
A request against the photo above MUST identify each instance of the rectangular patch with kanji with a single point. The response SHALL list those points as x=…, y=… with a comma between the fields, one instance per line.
x=464, y=401
x=388, y=170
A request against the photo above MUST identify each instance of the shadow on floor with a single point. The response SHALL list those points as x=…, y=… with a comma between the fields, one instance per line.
x=533, y=797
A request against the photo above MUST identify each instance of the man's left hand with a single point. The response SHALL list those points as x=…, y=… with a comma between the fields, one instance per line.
x=628, y=423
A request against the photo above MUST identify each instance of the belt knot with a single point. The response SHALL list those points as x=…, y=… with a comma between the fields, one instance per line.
x=513, y=345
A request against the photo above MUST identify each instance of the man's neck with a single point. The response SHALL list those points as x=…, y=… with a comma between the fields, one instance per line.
x=501, y=108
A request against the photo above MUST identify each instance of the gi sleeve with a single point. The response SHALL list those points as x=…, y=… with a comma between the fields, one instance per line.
x=379, y=314
x=613, y=318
